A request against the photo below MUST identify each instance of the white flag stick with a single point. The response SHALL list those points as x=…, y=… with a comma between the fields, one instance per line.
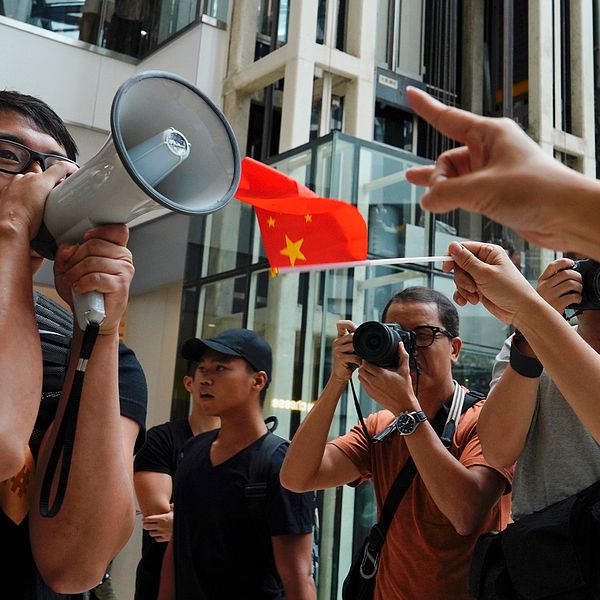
x=364, y=263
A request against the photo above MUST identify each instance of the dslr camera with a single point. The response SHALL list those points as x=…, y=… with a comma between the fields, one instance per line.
x=378, y=343
x=590, y=275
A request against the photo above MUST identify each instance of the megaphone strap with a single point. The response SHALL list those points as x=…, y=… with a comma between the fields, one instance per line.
x=65, y=437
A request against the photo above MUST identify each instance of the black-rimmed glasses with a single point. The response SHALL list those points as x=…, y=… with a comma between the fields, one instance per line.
x=425, y=335
x=15, y=158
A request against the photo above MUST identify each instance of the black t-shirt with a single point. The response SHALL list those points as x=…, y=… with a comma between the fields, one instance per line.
x=220, y=551
x=18, y=575
x=160, y=454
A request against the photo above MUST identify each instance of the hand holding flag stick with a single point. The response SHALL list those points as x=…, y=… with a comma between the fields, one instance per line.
x=304, y=232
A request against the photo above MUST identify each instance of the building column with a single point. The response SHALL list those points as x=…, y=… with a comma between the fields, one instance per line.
x=582, y=81
x=299, y=74
x=242, y=40
x=473, y=56
x=359, y=106
x=541, y=70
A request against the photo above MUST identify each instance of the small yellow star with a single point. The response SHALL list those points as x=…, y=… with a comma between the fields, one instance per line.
x=292, y=250
x=274, y=271
x=271, y=222
x=308, y=218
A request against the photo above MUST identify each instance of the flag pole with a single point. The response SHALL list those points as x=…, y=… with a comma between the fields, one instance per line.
x=363, y=263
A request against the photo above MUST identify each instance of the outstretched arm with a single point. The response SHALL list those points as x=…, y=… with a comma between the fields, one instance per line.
x=507, y=413
x=503, y=174
x=73, y=548
x=311, y=463
x=484, y=273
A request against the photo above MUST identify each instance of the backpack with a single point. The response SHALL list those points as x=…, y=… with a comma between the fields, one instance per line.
x=55, y=325
x=256, y=488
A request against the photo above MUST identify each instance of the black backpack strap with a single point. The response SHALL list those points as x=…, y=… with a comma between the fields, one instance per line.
x=55, y=325
x=260, y=469
x=257, y=488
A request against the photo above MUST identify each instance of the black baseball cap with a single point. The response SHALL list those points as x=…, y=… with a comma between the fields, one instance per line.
x=245, y=343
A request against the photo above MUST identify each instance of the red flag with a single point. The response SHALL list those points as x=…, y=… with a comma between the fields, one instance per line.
x=298, y=227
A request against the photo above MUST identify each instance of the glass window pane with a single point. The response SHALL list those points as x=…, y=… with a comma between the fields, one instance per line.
x=230, y=238
x=397, y=224
x=217, y=9
x=221, y=305
x=482, y=337
x=336, y=178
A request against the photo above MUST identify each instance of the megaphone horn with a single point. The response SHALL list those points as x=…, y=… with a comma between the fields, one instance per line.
x=169, y=147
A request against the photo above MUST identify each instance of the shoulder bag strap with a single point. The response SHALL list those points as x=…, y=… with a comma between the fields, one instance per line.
x=460, y=403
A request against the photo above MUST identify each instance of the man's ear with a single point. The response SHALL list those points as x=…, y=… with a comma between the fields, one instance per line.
x=187, y=383
x=456, y=347
x=260, y=380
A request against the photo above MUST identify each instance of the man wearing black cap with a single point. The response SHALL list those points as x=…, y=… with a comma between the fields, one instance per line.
x=220, y=548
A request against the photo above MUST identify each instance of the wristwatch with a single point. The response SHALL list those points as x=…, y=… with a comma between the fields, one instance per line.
x=407, y=422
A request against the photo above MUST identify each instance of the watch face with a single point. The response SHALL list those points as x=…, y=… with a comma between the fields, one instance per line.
x=405, y=424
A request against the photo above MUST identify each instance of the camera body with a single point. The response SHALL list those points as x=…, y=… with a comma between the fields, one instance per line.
x=590, y=275
x=378, y=343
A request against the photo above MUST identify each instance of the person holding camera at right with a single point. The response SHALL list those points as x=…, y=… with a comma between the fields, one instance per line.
x=454, y=495
x=553, y=552
x=527, y=420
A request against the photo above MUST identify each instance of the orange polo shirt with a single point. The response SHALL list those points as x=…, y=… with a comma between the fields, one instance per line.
x=423, y=556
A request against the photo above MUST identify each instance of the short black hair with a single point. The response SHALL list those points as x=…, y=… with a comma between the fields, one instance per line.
x=41, y=115
x=192, y=365
x=446, y=310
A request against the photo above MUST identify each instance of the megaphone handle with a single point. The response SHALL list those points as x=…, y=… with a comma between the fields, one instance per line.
x=89, y=308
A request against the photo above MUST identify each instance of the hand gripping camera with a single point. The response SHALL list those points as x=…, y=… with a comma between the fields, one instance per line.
x=590, y=295
x=378, y=343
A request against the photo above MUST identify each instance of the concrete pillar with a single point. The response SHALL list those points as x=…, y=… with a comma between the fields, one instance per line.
x=299, y=73
x=473, y=54
x=582, y=81
x=541, y=69
x=359, y=106
x=242, y=39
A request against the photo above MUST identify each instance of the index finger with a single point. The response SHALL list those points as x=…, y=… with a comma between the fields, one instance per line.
x=344, y=327
x=117, y=233
x=452, y=122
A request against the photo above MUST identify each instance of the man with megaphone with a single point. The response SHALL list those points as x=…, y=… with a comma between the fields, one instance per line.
x=67, y=551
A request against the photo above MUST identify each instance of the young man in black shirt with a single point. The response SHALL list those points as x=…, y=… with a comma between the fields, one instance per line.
x=221, y=548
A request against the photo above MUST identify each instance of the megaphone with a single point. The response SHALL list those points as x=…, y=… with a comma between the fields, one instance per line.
x=169, y=147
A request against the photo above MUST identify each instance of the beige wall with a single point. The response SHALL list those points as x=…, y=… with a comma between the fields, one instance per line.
x=151, y=331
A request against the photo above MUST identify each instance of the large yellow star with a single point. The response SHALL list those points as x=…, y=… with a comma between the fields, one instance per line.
x=271, y=222
x=292, y=250
x=308, y=218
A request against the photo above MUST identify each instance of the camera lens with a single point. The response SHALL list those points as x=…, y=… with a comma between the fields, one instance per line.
x=377, y=343
x=595, y=283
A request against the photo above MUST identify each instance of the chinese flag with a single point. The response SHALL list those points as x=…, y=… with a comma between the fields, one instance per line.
x=298, y=227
